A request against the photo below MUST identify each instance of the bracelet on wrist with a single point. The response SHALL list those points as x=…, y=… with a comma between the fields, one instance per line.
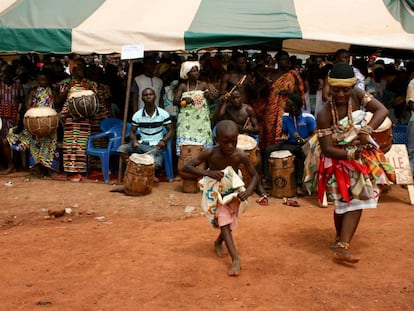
x=350, y=154
x=366, y=130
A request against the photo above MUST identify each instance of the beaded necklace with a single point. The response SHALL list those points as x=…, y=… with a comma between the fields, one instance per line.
x=335, y=118
x=188, y=86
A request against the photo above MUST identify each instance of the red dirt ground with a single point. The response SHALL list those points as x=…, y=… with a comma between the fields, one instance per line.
x=117, y=252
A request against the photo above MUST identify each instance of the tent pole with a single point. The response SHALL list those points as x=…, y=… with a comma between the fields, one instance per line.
x=128, y=90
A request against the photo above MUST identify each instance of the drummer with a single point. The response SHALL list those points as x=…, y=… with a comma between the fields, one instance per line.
x=150, y=121
x=297, y=127
x=241, y=113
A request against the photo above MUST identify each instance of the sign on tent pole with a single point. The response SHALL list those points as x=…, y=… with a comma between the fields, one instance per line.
x=132, y=51
x=129, y=52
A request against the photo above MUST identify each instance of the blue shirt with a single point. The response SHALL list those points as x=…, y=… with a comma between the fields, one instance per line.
x=305, y=125
x=151, y=127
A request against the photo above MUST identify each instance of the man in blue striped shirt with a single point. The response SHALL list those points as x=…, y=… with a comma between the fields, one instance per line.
x=150, y=121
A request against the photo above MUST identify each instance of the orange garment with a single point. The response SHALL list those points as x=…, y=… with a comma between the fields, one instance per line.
x=290, y=82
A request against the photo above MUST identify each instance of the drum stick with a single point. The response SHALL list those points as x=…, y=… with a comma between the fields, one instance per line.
x=240, y=82
x=152, y=150
x=246, y=123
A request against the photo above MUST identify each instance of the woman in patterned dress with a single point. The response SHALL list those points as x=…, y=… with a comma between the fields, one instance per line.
x=76, y=131
x=344, y=159
x=193, y=121
x=43, y=151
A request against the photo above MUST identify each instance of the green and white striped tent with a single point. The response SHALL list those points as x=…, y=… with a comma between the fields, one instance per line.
x=302, y=26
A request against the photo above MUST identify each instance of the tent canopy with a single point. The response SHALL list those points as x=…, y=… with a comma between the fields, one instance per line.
x=301, y=26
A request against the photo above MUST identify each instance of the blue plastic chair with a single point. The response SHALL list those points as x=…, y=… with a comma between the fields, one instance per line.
x=399, y=134
x=167, y=154
x=107, y=123
x=114, y=141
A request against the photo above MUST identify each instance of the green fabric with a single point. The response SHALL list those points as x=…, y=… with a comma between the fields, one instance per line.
x=43, y=25
x=193, y=122
x=39, y=40
x=227, y=23
x=402, y=11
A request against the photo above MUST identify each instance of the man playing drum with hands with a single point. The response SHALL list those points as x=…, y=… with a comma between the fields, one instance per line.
x=150, y=121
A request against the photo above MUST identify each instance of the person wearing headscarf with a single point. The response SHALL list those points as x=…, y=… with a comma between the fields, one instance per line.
x=344, y=159
x=192, y=97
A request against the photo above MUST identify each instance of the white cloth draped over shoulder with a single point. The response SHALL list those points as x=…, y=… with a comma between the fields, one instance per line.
x=223, y=192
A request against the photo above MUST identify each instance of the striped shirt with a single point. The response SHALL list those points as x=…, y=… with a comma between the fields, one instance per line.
x=151, y=127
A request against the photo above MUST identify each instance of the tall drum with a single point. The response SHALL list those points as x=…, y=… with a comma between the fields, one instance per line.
x=41, y=121
x=139, y=174
x=282, y=168
x=189, y=150
x=249, y=145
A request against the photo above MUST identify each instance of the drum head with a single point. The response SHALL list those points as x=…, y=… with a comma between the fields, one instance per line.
x=36, y=112
x=144, y=159
x=246, y=142
x=385, y=125
x=80, y=93
x=191, y=143
x=280, y=154
x=1, y=124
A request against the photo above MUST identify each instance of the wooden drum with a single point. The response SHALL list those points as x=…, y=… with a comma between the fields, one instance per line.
x=383, y=134
x=83, y=104
x=282, y=168
x=139, y=174
x=41, y=121
x=189, y=150
x=249, y=145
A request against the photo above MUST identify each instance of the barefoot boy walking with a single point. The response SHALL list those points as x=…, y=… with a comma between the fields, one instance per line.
x=224, y=194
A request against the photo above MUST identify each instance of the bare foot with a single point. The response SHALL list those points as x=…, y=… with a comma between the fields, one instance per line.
x=220, y=251
x=235, y=268
x=343, y=256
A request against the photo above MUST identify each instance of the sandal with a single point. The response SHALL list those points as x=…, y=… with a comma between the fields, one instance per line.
x=75, y=178
x=290, y=202
x=263, y=200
